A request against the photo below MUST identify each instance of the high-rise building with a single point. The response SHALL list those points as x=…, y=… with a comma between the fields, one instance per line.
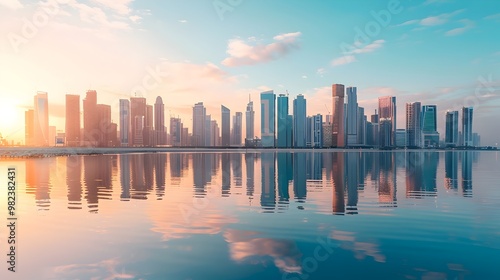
x=316, y=132
x=476, y=139
x=250, y=121
x=413, y=124
x=29, y=128
x=387, y=121
x=429, y=126
x=400, y=138
x=237, y=128
x=72, y=120
x=104, y=119
x=41, y=119
x=226, y=126
x=451, y=137
x=361, y=126
x=289, y=131
x=352, y=124
x=176, y=132
x=90, y=119
x=268, y=116
x=215, y=134
x=467, y=126
x=125, y=131
x=159, y=122
x=375, y=130
x=299, y=121
x=281, y=141
x=137, y=116
x=208, y=131
x=199, y=120
x=338, y=94
x=148, y=131
x=327, y=134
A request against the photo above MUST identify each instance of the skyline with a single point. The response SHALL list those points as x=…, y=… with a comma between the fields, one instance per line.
x=434, y=52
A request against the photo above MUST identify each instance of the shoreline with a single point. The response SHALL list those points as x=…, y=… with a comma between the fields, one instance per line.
x=34, y=152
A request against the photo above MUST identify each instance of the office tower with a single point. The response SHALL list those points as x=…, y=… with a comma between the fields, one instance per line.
x=199, y=119
x=316, y=132
x=215, y=134
x=429, y=126
x=289, y=131
x=361, y=126
x=72, y=129
x=338, y=115
x=237, y=128
x=148, y=131
x=352, y=116
x=268, y=116
x=176, y=132
x=125, y=123
x=282, y=121
x=299, y=121
x=451, y=136
x=467, y=126
x=375, y=129
x=226, y=126
x=29, y=128
x=137, y=116
x=159, y=122
x=186, y=138
x=413, y=124
x=90, y=120
x=104, y=119
x=387, y=120
x=250, y=121
x=400, y=136
x=41, y=119
x=476, y=139
x=327, y=134
x=208, y=130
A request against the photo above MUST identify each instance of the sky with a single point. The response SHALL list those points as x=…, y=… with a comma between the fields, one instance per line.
x=223, y=52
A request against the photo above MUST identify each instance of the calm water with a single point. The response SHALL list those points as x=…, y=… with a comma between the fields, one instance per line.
x=301, y=215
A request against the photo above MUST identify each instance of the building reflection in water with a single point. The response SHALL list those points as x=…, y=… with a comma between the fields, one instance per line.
x=236, y=168
x=226, y=174
x=74, y=181
x=125, y=177
x=451, y=170
x=160, y=161
x=38, y=181
x=97, y=179
x=338, y=203
x=421, y=174
x=300, y=177
x=467, y=158
x=250, y=172
x=268, y=194
x=202, y=172
x=138, y=182
x=285, y=171
x=352, y=170
x=387, y=179
x=176, y=167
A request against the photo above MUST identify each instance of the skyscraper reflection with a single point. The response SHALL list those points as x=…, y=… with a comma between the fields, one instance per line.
x=226, y=174
x=338, y=203
x=74, y=181
x=97, y=179
x=300, y=176
x=236, y=168
x=160, y=161
x=250, y=171
x=268, y=194
x=387, y=179
x=176, y=168
x=125, y=177
x=284, y=169
x=202, y=172
x=467, y=158
x=38, y=181
x=137, y=182
x=352, y=172
x=451, y=170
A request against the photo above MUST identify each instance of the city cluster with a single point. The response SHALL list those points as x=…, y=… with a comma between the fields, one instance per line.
x=346, y=125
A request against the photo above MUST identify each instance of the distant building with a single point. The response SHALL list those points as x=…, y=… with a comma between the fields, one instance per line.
x=215, y=134
x=237, y=128
x=413, y=124
x=160, y=130
x=299, y=121
x=316, y=131
x=199, y=120
x=29, y=128
x=387, y=120
x=41, y=120
x=125, y=131
x=338, y=94
x=72, y=129
x=281, y=141
x=467, y=126
x=451, y=135
x=268, y=116
x=327, y=134
x=429, y=126
x=226, y=126
x=176, y=132
x=352, y=124
x=476, y=140
x=401, y=140
x=137, y=117
x=250, y=121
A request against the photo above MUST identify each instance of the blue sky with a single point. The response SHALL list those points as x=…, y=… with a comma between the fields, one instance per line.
x=220, y=52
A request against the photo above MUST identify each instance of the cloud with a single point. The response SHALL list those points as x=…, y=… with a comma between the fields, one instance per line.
x=432, y=20
x=468, y=24
x=135, y=18
x=493, y=17
x=182, y=21
x=11, y=4
x=106, y=269
x=119, y=6
x=245, y=53
x=321, y=72
x=350, y=56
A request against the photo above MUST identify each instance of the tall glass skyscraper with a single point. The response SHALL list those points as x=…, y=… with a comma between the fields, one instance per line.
x=159, y=122
x=338, y=93
x=72, y=120
x=199, y=121
x=138, y=118
x=429, y=126
x=281, y=141
x=299, y=121
x=250, y=120
x=237, y=128
x=413, y=124
x=225, y=125
x=268, y=115
x=125, y=123
x=451, y=137
x=387, y=121
x=352, y=116
x=467, y=126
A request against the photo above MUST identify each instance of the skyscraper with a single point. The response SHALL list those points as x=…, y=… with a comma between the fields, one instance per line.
x=215, y=134
x=413, y=124
x=125, y=123
x=250, y=121
x=237, y=128
x=226, y=126
x=29, y=128
x=208, y=131
x=159, y=122
x=41, y=119
x=338, y=139
x=451, y=137
x=467, y=126
x=104, y=124
x=268, y=116
x=299, y=121
x=387, y=121
x=352, y=116
x=176, y=132
x=199, y=119
x=429, y=126
x=282, y=121
x=362, y=123
x=316, y=132
x=137, y=116
x=72, y=120
x=90, y=119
